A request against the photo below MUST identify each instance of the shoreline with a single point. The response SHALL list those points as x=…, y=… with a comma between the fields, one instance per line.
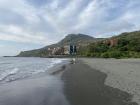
x=15, y=74
x=41, y=89
x=84, y=85
x=65, y=84
x=123, y=74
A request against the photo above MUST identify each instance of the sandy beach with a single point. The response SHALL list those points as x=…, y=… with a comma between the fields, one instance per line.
x=82, y=83
x=123, y=74
x=41, y=89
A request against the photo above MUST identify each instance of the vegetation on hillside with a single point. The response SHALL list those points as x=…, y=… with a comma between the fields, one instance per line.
x=34, y=53
x=76, y=39
x=128, y=46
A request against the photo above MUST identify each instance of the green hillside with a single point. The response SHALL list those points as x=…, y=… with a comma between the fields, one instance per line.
x=127, y=46
x=77, y=39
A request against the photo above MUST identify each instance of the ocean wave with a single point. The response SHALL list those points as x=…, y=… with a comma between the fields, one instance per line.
x=6, y=74
x=26, y=68
x=51, y=64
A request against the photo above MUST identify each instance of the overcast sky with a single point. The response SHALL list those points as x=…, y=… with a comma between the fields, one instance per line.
x=29, y=24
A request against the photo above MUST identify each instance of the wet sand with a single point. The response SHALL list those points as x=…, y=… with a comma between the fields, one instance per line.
x=72, y=84
x=123, y=74
x=85, y=86
x=43, y=89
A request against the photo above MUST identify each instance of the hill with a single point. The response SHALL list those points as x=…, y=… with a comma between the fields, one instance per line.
x=125, y=45
x=76, y=39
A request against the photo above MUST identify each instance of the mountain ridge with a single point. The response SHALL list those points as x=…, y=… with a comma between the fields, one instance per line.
x=126, y=44
x=75, y=39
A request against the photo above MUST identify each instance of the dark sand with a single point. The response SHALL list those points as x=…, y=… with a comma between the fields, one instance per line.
x=43, y=89
x=85, y=86
x=82, y=86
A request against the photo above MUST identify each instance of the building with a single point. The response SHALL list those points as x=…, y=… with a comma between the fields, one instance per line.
x=111, y=42
x=66, y=50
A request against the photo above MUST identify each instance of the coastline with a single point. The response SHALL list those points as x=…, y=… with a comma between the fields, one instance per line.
x=65, y=84
x=41, y=89
x=14, y=69
x=122, y=74
x=84, y=85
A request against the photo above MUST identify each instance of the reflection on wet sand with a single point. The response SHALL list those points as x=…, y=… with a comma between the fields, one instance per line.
x=36, y=91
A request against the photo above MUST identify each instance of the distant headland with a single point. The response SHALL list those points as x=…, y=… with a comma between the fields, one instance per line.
x=125, y=45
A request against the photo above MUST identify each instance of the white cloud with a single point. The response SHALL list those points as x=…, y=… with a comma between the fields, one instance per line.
x=46, y=21
x=75, y=16
x=17, y=34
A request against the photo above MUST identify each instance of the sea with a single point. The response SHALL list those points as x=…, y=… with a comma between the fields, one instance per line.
x=15, y=68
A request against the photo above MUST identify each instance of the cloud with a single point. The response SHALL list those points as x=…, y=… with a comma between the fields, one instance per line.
x=44, y=22
x=17, y=34
x=38, y=3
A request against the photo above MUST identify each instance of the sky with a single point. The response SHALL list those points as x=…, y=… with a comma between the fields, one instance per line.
x=32, y=24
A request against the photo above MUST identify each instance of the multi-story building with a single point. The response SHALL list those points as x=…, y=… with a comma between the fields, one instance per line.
x=66, y=50
x=111, y=42
x=60, y=50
